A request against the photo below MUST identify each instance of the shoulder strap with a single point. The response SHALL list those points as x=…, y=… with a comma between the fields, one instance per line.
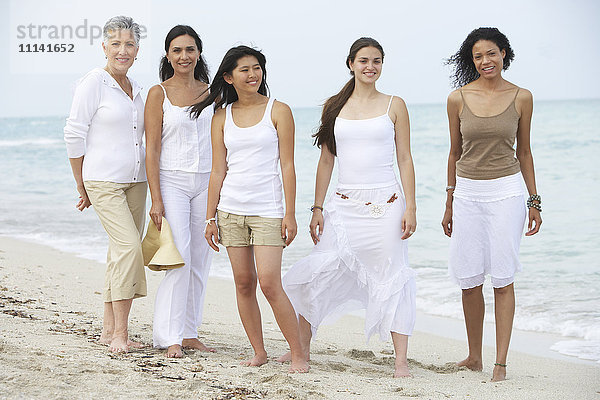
x=389, y=104
x=166, y=99
x=516, y=94
x=464, y=102
x=228, y=115
x=268, y=110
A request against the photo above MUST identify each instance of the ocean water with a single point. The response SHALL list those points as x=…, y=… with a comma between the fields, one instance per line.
x=558, y=290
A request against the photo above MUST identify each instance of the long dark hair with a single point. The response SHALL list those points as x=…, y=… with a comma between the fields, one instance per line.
x=464, y=70
x=334, y=104
x=165, y=70
x=220, y=92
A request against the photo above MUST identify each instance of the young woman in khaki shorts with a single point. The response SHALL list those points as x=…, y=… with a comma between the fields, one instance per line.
x=251, y=138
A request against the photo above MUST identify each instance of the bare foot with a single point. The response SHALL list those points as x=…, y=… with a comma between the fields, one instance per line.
x=499, y=373
x=287, y=357
x=105, y=337
x=401, y=370
x=256, y=361
x=473, y=365
x=197, y=345
x=118, y=344
x=174, y=351
x=299, y=366
x=135, y=345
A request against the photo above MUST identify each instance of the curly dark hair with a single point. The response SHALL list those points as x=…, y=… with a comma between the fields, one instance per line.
x=462, y=61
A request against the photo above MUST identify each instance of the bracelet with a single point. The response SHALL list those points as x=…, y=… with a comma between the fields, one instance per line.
x=535, y=197
x=450, y=188
x=208, y=221
x=315, y=207
x=500, y=365
x=532, y=199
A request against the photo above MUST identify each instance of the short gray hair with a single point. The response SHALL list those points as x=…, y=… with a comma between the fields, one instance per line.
x=121, y=22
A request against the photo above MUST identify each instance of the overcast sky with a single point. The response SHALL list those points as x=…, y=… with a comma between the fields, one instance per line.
x=557, y=44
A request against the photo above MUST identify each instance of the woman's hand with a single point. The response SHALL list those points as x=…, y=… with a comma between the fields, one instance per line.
x=157, y=212
x=84, y=201
x=535, y=220
x=316, y=225
x=289, y=229
x=409, y=223
x=447, y=221
x=211, y=234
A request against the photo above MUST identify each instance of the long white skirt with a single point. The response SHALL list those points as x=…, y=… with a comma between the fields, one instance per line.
x=359, y=263
x=488, y=218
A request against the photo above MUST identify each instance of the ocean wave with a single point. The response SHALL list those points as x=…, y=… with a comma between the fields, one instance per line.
x=32, y=142
x=583, y=349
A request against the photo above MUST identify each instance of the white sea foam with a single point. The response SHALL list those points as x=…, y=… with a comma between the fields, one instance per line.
x=584, y=349
x=32, y=142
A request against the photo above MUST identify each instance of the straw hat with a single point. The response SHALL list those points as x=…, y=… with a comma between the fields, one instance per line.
x=159, y=249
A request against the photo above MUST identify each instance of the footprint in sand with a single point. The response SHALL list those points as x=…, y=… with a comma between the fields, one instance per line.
x=279, y=379
x=364, y=355
x=448, y=368
x=336, y=366
x=408, y=392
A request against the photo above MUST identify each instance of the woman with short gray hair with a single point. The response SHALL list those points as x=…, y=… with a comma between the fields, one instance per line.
x=103, y=134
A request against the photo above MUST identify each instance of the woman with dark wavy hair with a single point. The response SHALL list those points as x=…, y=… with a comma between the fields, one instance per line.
x=360, y=256
x=252, y=138
x=486, y=204
x=178, y=162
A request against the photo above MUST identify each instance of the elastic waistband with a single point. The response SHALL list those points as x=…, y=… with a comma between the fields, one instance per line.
x=486, y=190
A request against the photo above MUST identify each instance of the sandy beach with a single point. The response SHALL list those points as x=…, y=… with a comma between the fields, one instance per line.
x=50, y=319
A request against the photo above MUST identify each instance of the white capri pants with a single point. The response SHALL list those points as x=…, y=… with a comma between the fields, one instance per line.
x=180, y=296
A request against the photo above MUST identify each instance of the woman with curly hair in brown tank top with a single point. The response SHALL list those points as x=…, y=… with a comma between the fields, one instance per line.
x=486, y=205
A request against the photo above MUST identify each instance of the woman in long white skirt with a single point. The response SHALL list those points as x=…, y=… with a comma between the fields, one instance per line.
x=360, y=258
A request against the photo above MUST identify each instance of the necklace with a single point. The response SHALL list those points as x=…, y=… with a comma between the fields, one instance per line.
x=127, y=90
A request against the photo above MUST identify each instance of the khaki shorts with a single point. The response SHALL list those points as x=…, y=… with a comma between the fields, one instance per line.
x=243, y=231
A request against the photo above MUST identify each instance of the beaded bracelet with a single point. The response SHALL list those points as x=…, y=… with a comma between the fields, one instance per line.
x=532, y=198
x=315, y=207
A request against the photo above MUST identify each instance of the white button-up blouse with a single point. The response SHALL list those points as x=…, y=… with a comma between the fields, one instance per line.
x=106, y=127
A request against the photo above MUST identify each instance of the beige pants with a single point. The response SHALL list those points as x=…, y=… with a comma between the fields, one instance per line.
x=121, y=208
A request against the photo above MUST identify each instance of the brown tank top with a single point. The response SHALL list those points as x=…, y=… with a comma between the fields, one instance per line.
x=488, y=143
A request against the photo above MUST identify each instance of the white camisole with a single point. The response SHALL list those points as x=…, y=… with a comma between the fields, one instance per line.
x=365, y=151
x=185, y=143
x=252, y=185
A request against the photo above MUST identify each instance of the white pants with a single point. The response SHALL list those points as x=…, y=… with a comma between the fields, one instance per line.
x=180, y=296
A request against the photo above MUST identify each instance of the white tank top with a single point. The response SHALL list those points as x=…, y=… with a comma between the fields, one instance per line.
x=252, y=185
x=365, y=151
x=185, y=143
